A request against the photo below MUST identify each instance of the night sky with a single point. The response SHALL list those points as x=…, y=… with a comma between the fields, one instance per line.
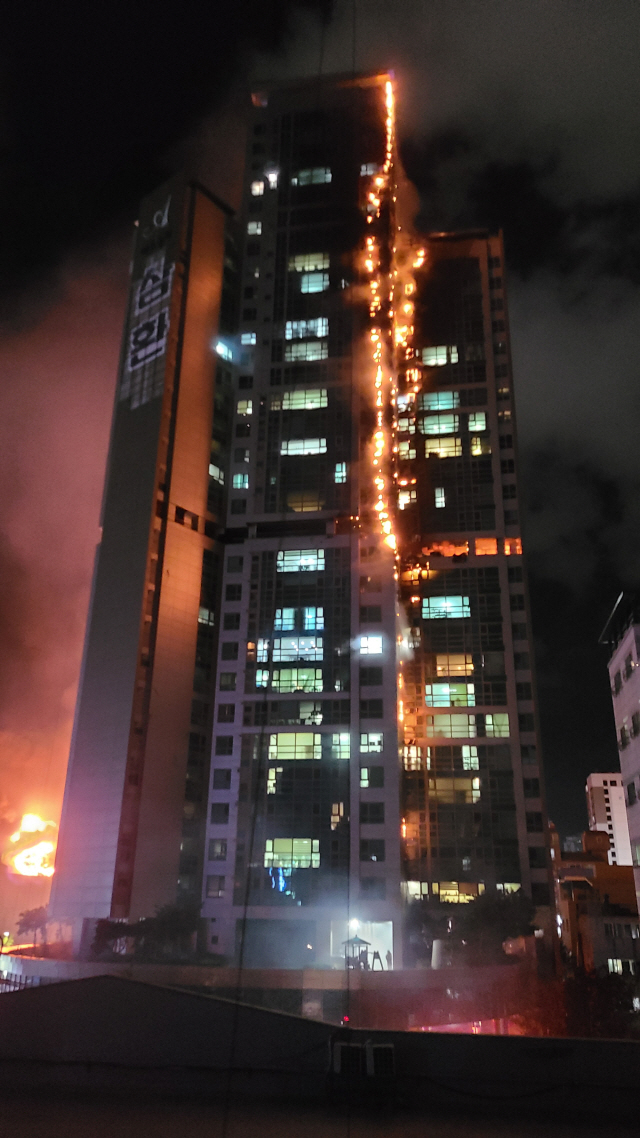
x=524, y=116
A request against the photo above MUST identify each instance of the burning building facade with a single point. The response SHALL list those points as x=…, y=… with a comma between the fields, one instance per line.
x=345, y=721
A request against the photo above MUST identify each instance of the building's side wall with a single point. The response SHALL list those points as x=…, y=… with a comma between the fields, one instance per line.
x=624, y=674
x=607, y=811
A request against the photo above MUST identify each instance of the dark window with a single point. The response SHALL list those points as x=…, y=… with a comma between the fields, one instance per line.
x=233, y=593
x=180, y=515
x=228, y=681
x=523, y=691
x=229, y=647
x=515, y=573
x=369, y=677
x=506, y=441
x=507, y=466
x=239, y=506
x=534, y=823
x=371, y=849
x=526, y=722
x=372, y=812
x=370, y=614
x=509, y=491
x=528, y=753
x=226, y=712
x=224, y=745
x=376, y=777
x=521, y=660
x=516, y=600
x=253, y=248
x=371, y=709
x=243, y=430
x=245, y=382
x=240, y=455
x=531, y=787
x=234, y=564
x=373, y=888
x=249, y=313
x=631, y=794
x=497, y=303
x=217, y=849
x=519, y=631
x=231, y=623
x=540, y=893
x=617, y=683
x=222, y=778
x=220, y=813
x=537, y=857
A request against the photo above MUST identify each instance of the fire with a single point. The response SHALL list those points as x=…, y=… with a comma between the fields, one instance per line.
x=32, y=848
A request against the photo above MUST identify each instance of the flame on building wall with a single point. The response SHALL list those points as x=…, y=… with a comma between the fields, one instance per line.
x=31, y=849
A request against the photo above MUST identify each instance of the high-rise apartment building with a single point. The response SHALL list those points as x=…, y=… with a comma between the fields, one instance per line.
x=607, y=811
x=132, y=824
x=375, y=731
x=621, y=634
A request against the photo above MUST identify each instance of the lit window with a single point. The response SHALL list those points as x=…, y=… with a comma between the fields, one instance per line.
x=370, y=645
x=248, y=338
x=305, y=501
x=215, y=886
x=407, y=425
x=440, y=424
x=452, y=726
x=437, y=357
x=245, y=406
x=478, y=421
x=262, y=678
x=439, y=497
x=240, y=482
x=371, y=742
x=294, y=746
x=479, y=445
x=341, y=745
x=308, y=262
x=317, y=175
x=486, y=546
x=300, y=560
x=615, y=966
x=292, y=853
x=296, y=648
x=450, y=695
x=272, y=779
x=512, y=545
x=439, y=401
x=305, y=399
x=216, y=473
x=296, y=679
x=368, y=168
x=285, y=620
x=443, y=448
x=412, y=758
x=445, y=608
x=406, y=450
x=470, y=758
x=257, y=189
x=254, y=228
x=497, y=724
x=340, y=472
x=263, y=650
x=224, y=351
x=300, y=329
x=308, y=350
x=205, y=616
x=456, y=665
x=406, y=497
x=303, y=446
x=314, y=282
x=313, y=619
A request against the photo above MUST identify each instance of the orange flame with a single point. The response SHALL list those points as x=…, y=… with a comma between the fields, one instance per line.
x=28, y=855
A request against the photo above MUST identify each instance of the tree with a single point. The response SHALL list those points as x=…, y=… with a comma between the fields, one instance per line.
x=485, y=923
x=168, y=934
x=34, y=921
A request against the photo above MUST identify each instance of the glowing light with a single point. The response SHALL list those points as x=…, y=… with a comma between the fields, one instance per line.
x=31, y=858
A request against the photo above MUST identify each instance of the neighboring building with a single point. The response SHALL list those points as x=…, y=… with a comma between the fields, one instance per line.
x=607, y=811
x=374, y=439
x=621, y=634
x=596, y=910
x=131, y=833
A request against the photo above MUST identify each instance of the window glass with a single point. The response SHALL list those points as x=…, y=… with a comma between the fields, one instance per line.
x=443, y=447
x=257, y=189
x=445, y=608
x=497, y=724
x=294, y=746
x=454, y=665
x=300, y=329
x=285, y=620
x=240, y=482
x=216, y=473
x=248, y=338
x=300, y=560
x=439, y=401
x=440, y=424
x=486, y=546
x=341, y=745
x=307, y=262
x=450, y=695
x=254, y=228
x=370, y=645
x=340, y=472
x=470, y=758
x=452, y=726
x=438, y=356
x=477, y=421
x=406, y=449
x=303, y=446
x=312, y=177
x=479, y=446
x=439, y=497
x=313, y=618
x=307, y=350
x=295, y=679
x=245, y=406
x=314, y=282
x=406, y=497
x=306, y=399
x=291, y=648
x=292, y=853
x=371, y=741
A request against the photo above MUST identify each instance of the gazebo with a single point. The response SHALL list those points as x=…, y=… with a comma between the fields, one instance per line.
x=356, y=954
